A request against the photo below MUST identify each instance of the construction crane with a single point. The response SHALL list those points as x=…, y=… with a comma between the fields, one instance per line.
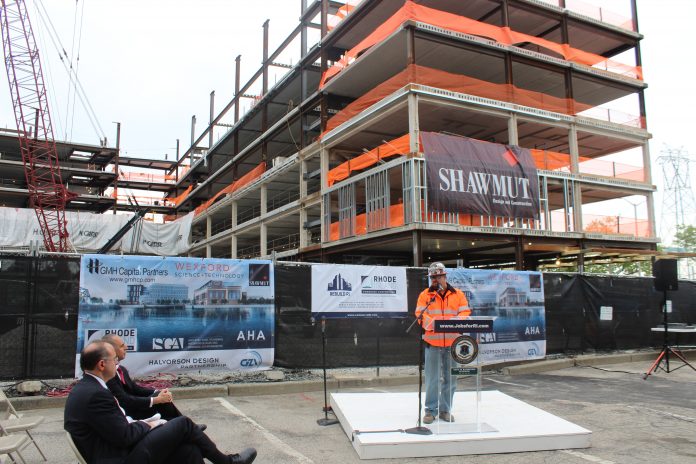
x=47, y=194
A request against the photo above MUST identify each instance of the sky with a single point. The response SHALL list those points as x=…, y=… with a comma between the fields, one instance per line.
x=151, y=65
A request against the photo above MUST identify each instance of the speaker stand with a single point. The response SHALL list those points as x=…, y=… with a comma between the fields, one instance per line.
x=663, y=357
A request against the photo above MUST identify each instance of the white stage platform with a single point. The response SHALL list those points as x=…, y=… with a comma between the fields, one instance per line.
x=374, y=422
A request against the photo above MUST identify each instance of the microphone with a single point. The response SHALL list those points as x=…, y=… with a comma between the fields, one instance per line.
x=440, y=287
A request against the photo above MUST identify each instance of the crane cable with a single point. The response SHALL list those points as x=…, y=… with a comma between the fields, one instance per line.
x=81, y=94
x=71, y=125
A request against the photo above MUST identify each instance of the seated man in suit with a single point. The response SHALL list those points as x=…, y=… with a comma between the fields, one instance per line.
x=139, y=402
x=105, y=435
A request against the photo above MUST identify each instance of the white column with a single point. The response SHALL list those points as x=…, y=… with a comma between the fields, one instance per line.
x=263, y=233
x=413, y=124
x=513, y=135
x=574, y=149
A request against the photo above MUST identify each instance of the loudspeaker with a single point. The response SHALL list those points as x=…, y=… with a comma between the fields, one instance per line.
x=665, y=273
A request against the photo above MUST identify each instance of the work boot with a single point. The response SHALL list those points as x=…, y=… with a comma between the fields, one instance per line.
x=428, y=418
x=447, y=417
x=246, y=456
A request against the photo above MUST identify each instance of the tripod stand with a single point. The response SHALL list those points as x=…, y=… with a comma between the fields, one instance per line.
x=663, y=357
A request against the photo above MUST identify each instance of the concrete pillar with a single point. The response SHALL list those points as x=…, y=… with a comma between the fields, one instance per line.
x=208, y=227
x=208, y=251
x=235, y=211
x=513, y=135
x=263, y=237
x=233, y=246
x=413, y=125
x=647, y=169
x=574, y=149
x=264, y=200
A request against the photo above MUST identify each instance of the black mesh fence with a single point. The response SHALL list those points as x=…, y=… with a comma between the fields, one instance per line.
x=38, y=316
x=39, y=299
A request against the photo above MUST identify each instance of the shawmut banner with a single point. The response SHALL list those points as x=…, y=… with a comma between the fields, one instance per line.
x=179, y=314
x=470, y=176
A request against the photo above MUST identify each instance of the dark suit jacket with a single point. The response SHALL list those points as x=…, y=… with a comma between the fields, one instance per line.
x=98, y=427
x=132, y=397
x=135, y=399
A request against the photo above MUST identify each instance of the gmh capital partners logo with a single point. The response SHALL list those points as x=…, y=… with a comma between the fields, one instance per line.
x=251, y=359
x=93, y=266
x=339, y=286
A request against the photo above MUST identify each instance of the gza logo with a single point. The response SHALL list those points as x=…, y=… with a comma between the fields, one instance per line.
x=93, y=266
x=168, y=343
x=253, y=359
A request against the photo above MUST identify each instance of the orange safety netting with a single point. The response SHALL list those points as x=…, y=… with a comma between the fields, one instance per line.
x=398, y=146
x=236, y=185
x=543, y=159
x=396, y=219
x=335, y=19
x=504, y=35
x=179, y=198
x=415, y=74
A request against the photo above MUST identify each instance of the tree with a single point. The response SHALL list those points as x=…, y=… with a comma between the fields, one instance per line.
x=685, y=237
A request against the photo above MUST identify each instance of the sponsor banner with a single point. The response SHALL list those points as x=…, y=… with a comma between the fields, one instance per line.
x=193, y=361
x=515, y=302
x=170, y=310
x=358, y=291
x=470, y=176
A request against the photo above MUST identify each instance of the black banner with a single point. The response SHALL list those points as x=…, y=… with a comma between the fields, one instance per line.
x=471, y=176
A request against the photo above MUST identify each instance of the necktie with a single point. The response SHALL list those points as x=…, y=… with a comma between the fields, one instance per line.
x=120, y=375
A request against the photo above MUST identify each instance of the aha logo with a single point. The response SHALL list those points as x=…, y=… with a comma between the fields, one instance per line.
x=168, y=343
x=253, y=359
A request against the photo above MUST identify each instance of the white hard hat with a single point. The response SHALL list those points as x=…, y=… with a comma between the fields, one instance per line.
x=437, y=269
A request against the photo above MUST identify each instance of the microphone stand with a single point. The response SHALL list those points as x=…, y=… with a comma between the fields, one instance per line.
x=419, y=429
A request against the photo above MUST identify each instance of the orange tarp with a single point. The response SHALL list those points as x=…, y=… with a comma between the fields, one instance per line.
x=456, y=83
x=236, y=185
x=398, y=146
x=504, y=35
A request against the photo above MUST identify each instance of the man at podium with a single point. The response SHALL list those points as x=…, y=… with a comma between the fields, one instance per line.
x=439, y=301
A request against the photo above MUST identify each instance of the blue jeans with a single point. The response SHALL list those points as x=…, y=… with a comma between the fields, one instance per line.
x=440, y=384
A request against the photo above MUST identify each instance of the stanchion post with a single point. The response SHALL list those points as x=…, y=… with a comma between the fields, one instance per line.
x=325, y=420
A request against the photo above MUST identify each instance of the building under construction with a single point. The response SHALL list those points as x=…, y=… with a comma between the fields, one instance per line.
x=339, y=160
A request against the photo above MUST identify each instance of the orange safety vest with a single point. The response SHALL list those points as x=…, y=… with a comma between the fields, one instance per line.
x=454, y=303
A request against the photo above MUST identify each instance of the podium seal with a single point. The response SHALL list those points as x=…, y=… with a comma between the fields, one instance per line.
x=464, y=349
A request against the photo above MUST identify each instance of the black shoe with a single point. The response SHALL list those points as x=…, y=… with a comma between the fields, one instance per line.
x=201, y=427
x=246, y=456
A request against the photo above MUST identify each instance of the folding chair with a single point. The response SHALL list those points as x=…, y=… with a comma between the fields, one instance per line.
x=9, y=424
x=12, y=444
x=79, y=457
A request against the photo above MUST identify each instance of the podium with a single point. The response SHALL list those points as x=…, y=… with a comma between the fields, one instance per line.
x=464, y=362
x=486, y=422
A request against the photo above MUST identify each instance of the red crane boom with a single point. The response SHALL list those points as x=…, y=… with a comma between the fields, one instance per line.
x=47, y=194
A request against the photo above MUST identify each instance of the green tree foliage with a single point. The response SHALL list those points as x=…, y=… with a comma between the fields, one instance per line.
x=685, y=237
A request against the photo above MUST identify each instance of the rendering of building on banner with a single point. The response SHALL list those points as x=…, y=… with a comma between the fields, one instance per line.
x=180, y=314
x=515, y=302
